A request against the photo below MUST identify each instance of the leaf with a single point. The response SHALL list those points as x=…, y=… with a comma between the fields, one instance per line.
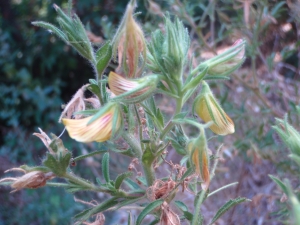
x=180, y=205
x=227, y=206
x=105, y=167
x=103, y=57
x=94, y=88
x=58, y=166
x=51, y=28
x=120, y=178
x=147, y=210
x=280, y=184
x=181, y=115
x=133, y=186
x=86, y=214
x=129, y=202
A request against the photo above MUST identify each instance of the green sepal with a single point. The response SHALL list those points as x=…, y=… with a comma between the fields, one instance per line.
x=58, y=166
x=226, y=207
x=148, y=209
x=105, y=167
x=103, y=57
x=120, y=178
x=86, y=214
x=195, y=81
x=57, y=145
x=52, y=28
x=95, y=89
x=35, y=168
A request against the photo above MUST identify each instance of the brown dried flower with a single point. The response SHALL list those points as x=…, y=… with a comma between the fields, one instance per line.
x=168, y=217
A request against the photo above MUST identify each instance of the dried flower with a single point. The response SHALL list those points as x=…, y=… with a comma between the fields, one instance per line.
x=45, y=139
x=168, y=217
x=130, y=43
x=208, y=109
x=99, y=128
x=76, y=104
x=34, y=179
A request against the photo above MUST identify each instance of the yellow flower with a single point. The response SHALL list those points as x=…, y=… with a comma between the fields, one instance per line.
x=130, y=43
x=132, y=91
x=198, y=151
x=98, y=130
x=208, y=109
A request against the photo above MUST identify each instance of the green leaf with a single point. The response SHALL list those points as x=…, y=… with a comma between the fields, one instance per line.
x=120, y=178
x=58, y=166
x=103, y=57
x=227, y=206
x=129, y=202
x=51, y=28
x=86, y=214
x=95, y=89
x=147, y=210
x=130, y=183
x=280, y=184
x=180, y=205
x=178, y=148
x=181, y=115
x=154, y=222
x=105, y=167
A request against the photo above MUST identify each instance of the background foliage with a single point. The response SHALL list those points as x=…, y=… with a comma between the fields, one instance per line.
x=39, y=73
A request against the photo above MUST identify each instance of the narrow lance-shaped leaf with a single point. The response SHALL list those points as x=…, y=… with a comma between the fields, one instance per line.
x=227, y=206
x=105, y=167
x=147, y=210
x=120, y=178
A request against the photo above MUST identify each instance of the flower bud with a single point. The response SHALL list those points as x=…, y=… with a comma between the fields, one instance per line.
x=208, y=109
x=97, y=128
x=132, y=91
x=289, y=135
x=34, y=179
x=228, y=61
x=168, y=52
x=198, y=151
x=130, y=43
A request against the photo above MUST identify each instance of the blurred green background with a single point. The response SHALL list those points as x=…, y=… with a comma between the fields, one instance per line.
x=38, y=73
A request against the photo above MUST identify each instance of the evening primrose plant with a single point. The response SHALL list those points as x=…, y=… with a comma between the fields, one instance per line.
x=122, y=107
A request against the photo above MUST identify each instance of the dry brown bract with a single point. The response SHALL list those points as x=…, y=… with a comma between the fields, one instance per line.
x=168, y=217
x=160, y=189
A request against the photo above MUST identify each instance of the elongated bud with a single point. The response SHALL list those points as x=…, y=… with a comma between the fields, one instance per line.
x=288, y=134
x=168, y=52
x=228, y=61
x=208, y=109
x=198, y=151
x=97, y=128
x=132, y=91
x=130, y=44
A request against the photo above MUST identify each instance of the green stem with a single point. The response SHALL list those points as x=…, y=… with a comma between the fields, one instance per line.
x=132, y=142
x=149, y=173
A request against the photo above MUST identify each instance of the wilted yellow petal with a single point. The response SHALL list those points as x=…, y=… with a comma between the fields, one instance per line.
x=119, y=85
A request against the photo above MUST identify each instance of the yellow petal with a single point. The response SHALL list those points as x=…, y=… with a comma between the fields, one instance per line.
x=208, y=110
x=100, y=130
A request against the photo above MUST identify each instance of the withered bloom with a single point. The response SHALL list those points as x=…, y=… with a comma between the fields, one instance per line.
x=130, y=43
x=99, y=130
x=208, y=109
x=168, y=217
x=34, y=179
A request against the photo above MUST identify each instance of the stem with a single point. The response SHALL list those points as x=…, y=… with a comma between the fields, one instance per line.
x=149, y=173
x=222, y=188
x=132, y=142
